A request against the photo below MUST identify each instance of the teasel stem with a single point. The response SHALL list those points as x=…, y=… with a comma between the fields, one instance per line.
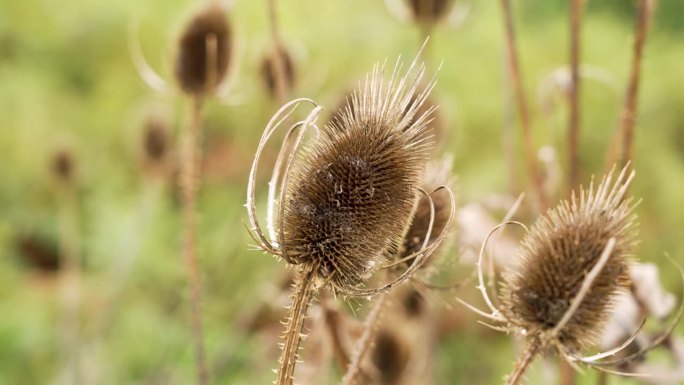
x=574, y=115
x=303, y=293
x=523, y=363
x=333, y=324
x=189, y=185
x=521, y=103
x=629, y=108
x=70, y=281
x=364, y=343
x=279, y=66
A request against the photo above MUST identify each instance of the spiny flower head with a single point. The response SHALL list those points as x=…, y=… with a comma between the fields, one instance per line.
x=352, y=194
x=557, y=255
x=204, y=51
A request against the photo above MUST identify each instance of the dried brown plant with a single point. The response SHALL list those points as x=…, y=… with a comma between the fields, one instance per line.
x=572, y=264
x=339, y=211
x=204, y=51
x=269, y=72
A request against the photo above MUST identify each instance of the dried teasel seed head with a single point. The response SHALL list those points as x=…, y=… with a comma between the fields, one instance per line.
x=268, y=71
x=437, y=174
x=204, y=51
x=558, y=253
x=63, y=166
x=429, y=11
x=413, y=302
x=390, y=356
x=156, y=139
x=351, y=195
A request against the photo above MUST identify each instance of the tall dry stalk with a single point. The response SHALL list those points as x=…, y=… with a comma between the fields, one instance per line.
x=621, y=148
x=521, y=103
x=70, y=268
x=574, y=115
x=189, y=183
x=278, y=51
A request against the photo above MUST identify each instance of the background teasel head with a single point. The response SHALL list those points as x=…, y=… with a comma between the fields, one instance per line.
x=204, y=51
x=437, y=174
x=429, y=11
x=269, y=72
x=557, y=255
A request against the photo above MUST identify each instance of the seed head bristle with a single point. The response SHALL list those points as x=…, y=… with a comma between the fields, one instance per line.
x=435, y=125
x=558, y=253
x=353, y=191
x=204, y=51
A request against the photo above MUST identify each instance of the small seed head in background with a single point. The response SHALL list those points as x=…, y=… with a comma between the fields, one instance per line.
x=268, y=71
x=429, y=11
x=38, y=251
x=390, y=356
x=437, y=174
x=556, y=256
x=156, y=140
x=352, y=194
x=63, y=166
x=192, y=69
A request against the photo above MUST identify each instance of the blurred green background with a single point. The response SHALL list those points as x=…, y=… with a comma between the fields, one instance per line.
x=67, y=82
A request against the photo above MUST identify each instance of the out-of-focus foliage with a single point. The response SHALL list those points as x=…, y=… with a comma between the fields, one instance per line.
x=67, y=81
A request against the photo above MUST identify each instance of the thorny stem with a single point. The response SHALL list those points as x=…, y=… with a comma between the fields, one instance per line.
x=363, y=344
x=574, y=118
x=70, y=281
x=279, y=66
x=303, y=293
x=188, y=185
x=629, y=108
x=521, y=102
x=523, y=363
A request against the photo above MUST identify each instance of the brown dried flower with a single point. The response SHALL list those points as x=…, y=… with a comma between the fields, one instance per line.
x=269, y=73
x=344, y=205
x=204, y=51
x=573, y=264
x=429, y=11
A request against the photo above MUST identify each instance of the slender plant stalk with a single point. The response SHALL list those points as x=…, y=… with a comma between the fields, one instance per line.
x=629, y=109
x=574, y=116
x=279, y=66
x=602, y=378
x=566, y=372
x=364, y=343
x=332, y=324
x=70, y=282
x=508, y=128
x=304, y=290
x=521, y=102
x=189, y=186
x=523, y=363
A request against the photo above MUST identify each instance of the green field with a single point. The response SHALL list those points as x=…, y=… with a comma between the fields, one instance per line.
x=67, y=81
